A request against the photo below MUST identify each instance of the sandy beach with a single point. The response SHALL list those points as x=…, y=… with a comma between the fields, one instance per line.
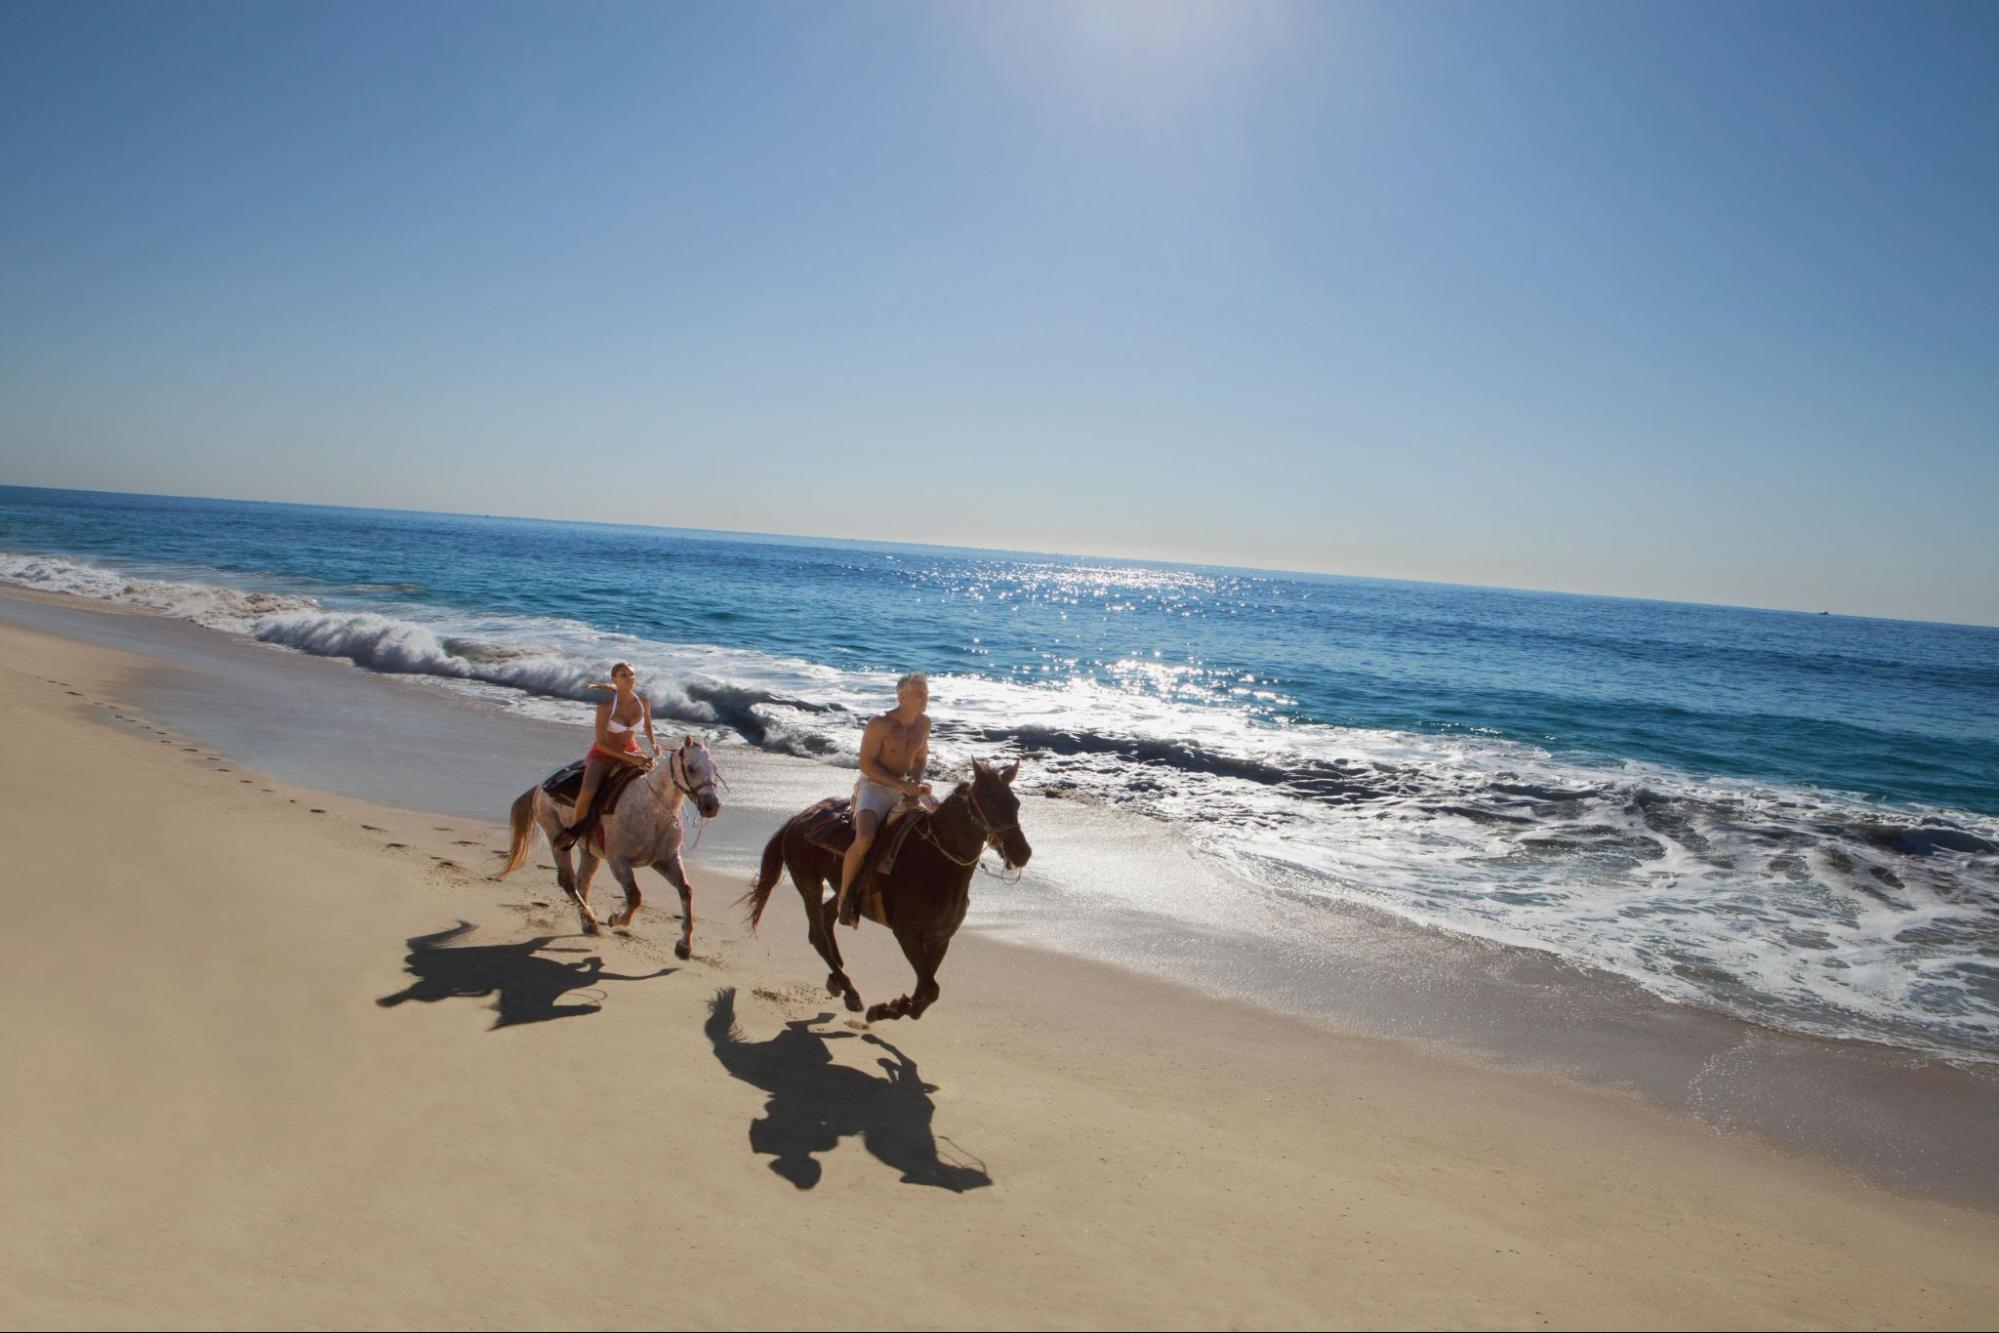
x=1436, y=562
x=281, y=1058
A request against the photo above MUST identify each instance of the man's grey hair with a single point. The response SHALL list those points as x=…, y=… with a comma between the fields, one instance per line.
x=913, y=678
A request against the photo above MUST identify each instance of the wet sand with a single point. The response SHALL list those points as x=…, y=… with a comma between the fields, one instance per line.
x=280, y=1057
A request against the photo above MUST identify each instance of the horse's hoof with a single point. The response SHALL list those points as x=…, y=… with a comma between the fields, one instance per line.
x=853, y=998
x=591, y=926
x=878, y=1012
x=835, y=986
x=681, y=951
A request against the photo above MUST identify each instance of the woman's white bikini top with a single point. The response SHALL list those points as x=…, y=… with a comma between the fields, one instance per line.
x=615, y=725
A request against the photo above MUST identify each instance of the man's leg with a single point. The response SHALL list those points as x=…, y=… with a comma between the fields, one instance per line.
x=865, y=825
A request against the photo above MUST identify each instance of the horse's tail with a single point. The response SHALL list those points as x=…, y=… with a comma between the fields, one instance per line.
x=523, y=819
x=773, y=867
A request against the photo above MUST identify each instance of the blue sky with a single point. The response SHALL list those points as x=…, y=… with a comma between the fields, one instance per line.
x=1687, y=301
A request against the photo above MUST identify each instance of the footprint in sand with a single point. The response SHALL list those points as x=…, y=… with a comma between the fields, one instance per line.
x=372, y=829
x=396, y=846
x=443, y=864
x=317, y=811
x=465, y=842
x=244, y=781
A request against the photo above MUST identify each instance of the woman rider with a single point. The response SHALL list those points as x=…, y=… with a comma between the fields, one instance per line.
x=619, y=720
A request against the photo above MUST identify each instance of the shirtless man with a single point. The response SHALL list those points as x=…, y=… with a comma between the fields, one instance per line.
x=894, y=749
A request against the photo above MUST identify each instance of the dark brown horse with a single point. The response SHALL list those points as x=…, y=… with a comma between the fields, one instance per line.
x=923, y=898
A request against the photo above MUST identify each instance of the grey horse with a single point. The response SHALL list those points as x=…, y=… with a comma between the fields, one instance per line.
x=644, y=830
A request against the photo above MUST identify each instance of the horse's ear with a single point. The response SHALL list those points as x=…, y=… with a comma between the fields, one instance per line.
x=1011, y=772
x=979, y=768
x=686, y=742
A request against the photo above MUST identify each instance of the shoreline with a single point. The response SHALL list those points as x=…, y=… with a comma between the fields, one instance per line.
x=1760, y=902
x=259, y=1096
x=1898, y=1118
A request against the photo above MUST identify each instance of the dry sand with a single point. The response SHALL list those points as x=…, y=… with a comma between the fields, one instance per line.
x=212, y=1119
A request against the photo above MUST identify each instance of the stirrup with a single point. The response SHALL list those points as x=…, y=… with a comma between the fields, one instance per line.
x=569, y=835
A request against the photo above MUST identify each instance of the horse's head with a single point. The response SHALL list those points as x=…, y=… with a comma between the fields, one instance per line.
x=692, y=769
x=995, y=806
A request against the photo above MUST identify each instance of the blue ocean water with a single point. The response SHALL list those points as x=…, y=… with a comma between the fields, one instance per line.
x=1790, y=816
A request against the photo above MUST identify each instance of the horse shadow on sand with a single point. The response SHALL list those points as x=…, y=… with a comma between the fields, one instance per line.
x=526, y=982
x=815, y=1102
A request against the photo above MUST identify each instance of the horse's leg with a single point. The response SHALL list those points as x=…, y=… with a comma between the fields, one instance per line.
x=581, y=893
x=550, y=817
x=621, y=869
x=676, y=875
x=819, y=921
x=925, y=953
x=929, y=956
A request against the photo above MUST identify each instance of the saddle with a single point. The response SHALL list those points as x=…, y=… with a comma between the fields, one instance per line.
x=566, y=784
x=829, y=825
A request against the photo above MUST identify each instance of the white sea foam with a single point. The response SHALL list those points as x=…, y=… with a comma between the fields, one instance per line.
x=1798, y=908
x=209, y=604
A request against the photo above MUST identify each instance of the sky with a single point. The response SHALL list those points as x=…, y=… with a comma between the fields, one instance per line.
x=1692, y=301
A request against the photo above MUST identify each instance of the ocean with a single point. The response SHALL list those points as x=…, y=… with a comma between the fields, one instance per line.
x=1787, y=817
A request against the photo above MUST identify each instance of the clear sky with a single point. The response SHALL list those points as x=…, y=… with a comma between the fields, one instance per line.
x=1681, y=300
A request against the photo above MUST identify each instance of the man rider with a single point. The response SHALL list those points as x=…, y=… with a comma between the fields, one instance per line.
x=894, y=749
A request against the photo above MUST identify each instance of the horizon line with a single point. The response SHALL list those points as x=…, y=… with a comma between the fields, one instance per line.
x=1011, y=551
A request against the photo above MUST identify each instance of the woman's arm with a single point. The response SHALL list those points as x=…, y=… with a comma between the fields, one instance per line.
x=604, y=741
x=650, y=739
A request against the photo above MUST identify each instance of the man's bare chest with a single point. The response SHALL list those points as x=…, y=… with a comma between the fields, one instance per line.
x=899, y=742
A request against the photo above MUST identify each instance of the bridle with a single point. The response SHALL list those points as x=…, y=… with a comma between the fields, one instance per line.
x=676, y=771
x=991, y=838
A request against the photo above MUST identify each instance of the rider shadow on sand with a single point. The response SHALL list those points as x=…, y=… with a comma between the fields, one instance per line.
x=815, y=1102
x=527, y=983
